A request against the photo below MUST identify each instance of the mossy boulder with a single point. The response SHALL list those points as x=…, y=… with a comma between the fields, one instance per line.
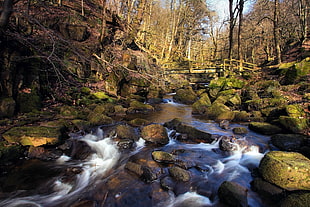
x=215, y=110
x=242, y=116
x=240, y=130
x=199, y=107
x=33, y=135
x=294, y=71
x=99, y=119
x=155, y=133
x=179, y=174
x=296, y=119
x=139, y=122
x=126, y=132
x=68, y=112
x=296, y=200
x=288, y=142
x=264, y=128
x=233, y=194
x=288, y=170
x=10, y=153
x=139, y=107
x=185, y=96
x=163, y=157
x=7, y=107
x=28, y=102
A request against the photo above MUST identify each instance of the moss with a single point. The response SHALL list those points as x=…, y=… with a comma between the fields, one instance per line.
x=296, y=125
x=139, y=122
x=289, y=170
x=241, y=116
x=85, y=91
x=136, y=106
x=264, y=128
x=215, y=110
x=99, y=119
x=295, y=111
x=296, y=200
x=165, y=157
x=33, y=135
x=100, y=95
x=68, y=111
x=199, y=107
x=186, y=96
x=28, y=102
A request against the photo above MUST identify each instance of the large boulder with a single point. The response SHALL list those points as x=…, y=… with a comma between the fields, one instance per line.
x=33, y=135
x=216, y=110
x=155, y=133
x=199, y=107
x=126, y=132
x=264, y=128
x=7, y=107
x=296, y=200
x=289, y=170
x=185, y=96
x=296, y=119
x=288, y=142
x=233, y=194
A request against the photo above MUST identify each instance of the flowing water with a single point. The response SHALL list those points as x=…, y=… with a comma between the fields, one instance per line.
x=95, y=174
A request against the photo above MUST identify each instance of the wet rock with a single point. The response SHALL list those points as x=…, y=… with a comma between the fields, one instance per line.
x=125, y=144
x=11, y=153
x=199, y=107
x=163, y=157
x=126, y=132
x=139, y=107
x=7, y=107
x=228, y=144
x=155, y=133
x=215, y=110
x=192, y=133
x=33, y=135
x=179, y=174
x=233, y=194
x=267, y=190
x=139, y=122
x=43, y=154
x=167, y=183
x=224, y=124
x=289, y=170
x=145, y=173
x=264, y=128
x=185, y=96
x=79, y=150
x=296, y=200
x=240, y=130
x=241, y=116
x=288, y=142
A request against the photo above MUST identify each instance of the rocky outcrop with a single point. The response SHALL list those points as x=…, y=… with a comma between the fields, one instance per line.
x=288, y=170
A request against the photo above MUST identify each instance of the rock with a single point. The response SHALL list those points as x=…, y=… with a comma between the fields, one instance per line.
x=139, y=122
x=233, y=194
x=268, y=190
x=295, y=125
x=79, y=150
x=43, y=154
x=230, y=144
x=120, y=110
x=199, y=107
x=289, y=170
x=143, y=172
x=296, y=200
x=185, y=96
x=179, y=174
x=139, y=107
x=125, y=144
x=68, y=112
x=288, y=142
x=215, y=110
x=224, y=124
x=167, y=183
x=163, y=157
x=33, y=135
x=228, y=115
x=28, y=101
x=192, y=133
x=155, y=133
x=99, y=119
x=264, y=128
x=241, y=116
x=240, y=130
x=126, y=132
x=11, y=153
x=74, y=32
x=7, y=107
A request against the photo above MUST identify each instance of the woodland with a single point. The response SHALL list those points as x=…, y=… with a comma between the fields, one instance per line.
x=70, y=66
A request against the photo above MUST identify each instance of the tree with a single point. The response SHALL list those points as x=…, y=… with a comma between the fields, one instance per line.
x=6, y=12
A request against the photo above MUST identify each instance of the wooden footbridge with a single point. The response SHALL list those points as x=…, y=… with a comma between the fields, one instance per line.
x=210, y=67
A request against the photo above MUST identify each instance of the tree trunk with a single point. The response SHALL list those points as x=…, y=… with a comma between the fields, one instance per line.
x=241, y=5
x=231, y=28
x=276, y=31
x=6, y=13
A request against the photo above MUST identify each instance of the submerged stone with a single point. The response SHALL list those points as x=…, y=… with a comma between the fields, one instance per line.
x=289, y=170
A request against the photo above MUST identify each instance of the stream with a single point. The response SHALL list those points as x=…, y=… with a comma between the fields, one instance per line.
x=101, y=180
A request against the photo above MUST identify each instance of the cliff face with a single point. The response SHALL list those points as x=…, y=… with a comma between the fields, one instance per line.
x=48, y=48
